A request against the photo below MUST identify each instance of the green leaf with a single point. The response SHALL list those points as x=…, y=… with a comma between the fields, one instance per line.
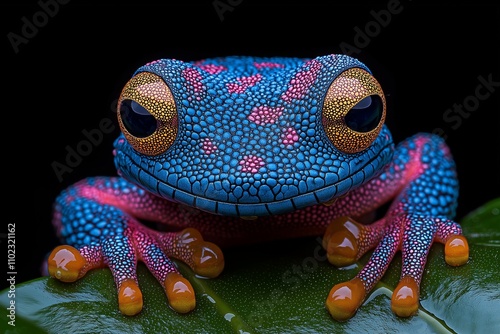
x=276, y=287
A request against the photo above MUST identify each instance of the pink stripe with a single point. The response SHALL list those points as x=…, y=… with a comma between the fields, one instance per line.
x=302, y=81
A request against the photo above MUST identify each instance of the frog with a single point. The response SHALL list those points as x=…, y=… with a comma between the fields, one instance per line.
x=234, y=150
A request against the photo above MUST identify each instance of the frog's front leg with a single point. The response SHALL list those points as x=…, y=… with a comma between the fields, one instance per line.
x=422, y=180
x=99, y=220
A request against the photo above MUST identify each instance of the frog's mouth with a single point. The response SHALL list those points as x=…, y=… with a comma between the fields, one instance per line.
x=133, y=167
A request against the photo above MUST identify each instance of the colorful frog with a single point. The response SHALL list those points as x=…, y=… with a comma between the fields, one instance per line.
x=247, y=149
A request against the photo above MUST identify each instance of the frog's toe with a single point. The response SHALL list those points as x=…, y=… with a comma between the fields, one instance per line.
x=419, y=232
x=66, y=263
x=346, y=240
x=129, y=297
x=180, y=293
x=119, y=254
x=405, y=298
x=205, y=258
x=345, y=298
x=456, y=250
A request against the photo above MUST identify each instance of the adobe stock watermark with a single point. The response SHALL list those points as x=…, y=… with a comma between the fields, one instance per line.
x=11, y=273
x=453, y=117
x=223, y=6
x=91, y=139
x=363, y=36
x=291, y=280
x=31, y=26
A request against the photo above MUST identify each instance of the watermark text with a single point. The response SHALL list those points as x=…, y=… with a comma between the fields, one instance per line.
x=11, y=273
x=363, y=36
x=223, y=6
x=453, y=117
x=31, y=26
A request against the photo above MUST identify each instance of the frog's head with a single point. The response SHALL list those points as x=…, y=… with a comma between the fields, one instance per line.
x=246, y=136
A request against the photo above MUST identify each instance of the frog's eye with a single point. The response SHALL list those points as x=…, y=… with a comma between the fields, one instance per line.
x=354, y=110
x=147, y=115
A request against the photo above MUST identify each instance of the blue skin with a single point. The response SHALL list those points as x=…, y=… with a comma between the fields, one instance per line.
x=258, y=145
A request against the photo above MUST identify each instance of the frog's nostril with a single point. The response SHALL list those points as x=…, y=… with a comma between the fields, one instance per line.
x=136, y=119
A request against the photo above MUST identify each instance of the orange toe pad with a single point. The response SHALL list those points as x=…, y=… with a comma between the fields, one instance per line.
x=345, y=298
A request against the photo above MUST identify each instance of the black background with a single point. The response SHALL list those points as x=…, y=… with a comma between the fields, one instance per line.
x=67, y=76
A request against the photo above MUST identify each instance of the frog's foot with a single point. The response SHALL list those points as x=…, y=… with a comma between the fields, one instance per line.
x=121, y=253
x=346, y=241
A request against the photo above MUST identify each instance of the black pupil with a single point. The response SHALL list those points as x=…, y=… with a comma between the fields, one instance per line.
x=137, y=120
x=366, y=114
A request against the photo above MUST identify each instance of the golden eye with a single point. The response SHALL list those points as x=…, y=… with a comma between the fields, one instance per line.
x=147, y=114
x=354, y=110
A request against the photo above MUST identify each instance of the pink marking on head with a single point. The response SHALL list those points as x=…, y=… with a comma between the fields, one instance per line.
x=251, y=80
x=267, y=64
x=208, y=146
x=302, y=81
x=251, y=164
x=289, y=137
x=193, y=77
x=243, y=83
x=265, y=114
x=212, y=68
x=235, y=88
